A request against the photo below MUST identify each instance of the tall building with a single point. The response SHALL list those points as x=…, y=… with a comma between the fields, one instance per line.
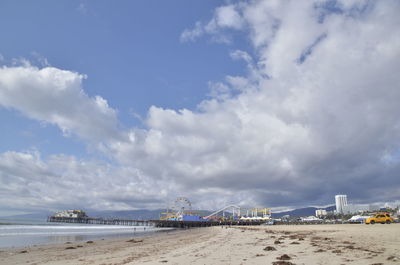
x=341, y=202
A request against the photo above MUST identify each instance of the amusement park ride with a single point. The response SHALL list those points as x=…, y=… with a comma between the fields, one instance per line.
x=181, y=210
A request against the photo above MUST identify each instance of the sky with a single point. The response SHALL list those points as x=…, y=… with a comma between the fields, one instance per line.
x=127, y=105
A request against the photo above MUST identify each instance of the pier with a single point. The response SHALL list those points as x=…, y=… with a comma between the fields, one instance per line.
x=155, y=223
x=189, y=224
x=179, y=216
x=99, y=221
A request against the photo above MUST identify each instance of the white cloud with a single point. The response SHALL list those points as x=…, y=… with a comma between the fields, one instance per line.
x=225, y=17
x=192, y=34
x=27, y=181
x=304, y=129
x=55, y=96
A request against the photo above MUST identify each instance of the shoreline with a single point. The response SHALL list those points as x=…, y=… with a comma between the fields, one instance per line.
x=18, y=234
x=311, y=244
x=71, y=238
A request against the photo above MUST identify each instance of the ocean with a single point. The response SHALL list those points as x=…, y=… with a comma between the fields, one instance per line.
x=29, y=232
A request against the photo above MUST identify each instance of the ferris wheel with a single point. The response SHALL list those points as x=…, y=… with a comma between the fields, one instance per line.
x=181, y=205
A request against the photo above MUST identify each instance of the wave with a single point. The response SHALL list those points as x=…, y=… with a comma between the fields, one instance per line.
x=42, y=230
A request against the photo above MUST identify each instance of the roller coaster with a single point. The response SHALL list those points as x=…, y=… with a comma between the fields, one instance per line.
x=181, y=210
x=237, y=213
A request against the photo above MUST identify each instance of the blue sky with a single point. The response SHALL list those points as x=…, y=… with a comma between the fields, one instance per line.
x=133, y=103
x=130, y=52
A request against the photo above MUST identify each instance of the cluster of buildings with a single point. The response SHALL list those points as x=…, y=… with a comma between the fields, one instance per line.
x=343, y=207
x=71, y=214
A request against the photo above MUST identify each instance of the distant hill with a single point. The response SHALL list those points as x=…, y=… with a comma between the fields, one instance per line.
x=128, y=214
x=42, y=215
x=302, y=211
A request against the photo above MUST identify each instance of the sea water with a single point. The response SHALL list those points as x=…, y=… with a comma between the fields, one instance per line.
x=19, y=233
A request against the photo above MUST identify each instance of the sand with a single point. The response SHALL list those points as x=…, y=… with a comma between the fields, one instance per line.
x=282, y=245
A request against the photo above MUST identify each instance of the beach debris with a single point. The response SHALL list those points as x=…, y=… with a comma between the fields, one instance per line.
x=89, y=242
x=269, y=248
x=70, y=248
x=24, y=251
x=282, y=262
x=277, y=242
x=164, y=261
x=336, y=251
x=135, y=241
x=392, y=258
x=318, y=238
x=319, y=250
x=301, y=238
x=259, y=255
x=79, y=246
x=284, y=257
x=371, y=251
x=348, y=260
x=295, y=243
x=377, y=264
x=349, y=247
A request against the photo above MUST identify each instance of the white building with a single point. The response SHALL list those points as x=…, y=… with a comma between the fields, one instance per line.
x=71, y=214
x=341, y=202
x=320, y=213
x=310, y=219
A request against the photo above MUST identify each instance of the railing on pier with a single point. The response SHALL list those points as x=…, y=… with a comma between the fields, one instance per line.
x=188, y=224
x=99, y=221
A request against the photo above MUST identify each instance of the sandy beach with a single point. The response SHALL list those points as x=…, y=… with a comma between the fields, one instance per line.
x=280, y=245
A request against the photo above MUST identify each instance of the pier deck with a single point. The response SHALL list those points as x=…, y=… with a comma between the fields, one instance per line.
x=99, y=221
x=188, y=224
x=156, y=223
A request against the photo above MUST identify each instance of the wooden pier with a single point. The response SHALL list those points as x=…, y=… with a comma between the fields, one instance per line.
x=155, y=223
x=189, y=224
x=99, y=221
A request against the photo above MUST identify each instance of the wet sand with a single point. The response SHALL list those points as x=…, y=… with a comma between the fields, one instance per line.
x=279, y=245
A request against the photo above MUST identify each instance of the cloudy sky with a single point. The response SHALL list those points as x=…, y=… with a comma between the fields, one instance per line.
x=127, y=105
